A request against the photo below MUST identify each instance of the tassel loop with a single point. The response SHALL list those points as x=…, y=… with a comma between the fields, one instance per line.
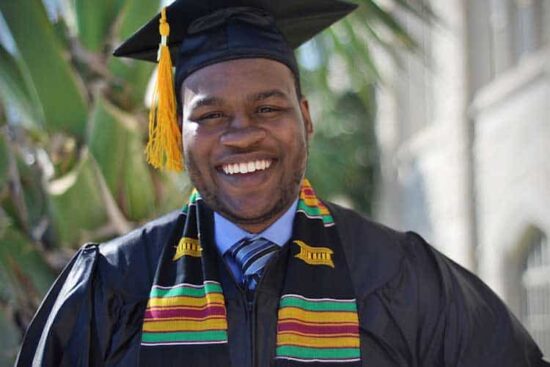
x=164, y=148
x=164, y=27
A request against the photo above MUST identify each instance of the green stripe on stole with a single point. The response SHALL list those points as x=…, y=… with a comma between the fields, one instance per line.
x=318, y=305
x=313, y=353
x=186, y=291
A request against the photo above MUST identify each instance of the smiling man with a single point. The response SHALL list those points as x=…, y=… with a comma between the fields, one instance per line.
x=256, y=270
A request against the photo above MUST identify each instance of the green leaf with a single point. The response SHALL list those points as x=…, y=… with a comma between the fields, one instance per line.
x=134, y=14
x=25, y=277
x=14, y=88
x=173, y=189
x=138, y=192
x=4, y=161
x=131, y=76
x=25, y=204
x=115, y=142
x=56, y=84
x=373, y=12
x=76, y=203
x=130, y=82
x=94, y=21
x=419, y=8
x=9, y=338
x=27, y=274
x=107, y=136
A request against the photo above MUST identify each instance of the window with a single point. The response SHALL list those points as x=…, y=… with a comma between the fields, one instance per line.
x=529, y=26
x=519, y=28
x=535, y=308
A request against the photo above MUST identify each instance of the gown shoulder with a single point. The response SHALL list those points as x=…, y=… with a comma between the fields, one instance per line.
x=94, y=308
x=424, y=309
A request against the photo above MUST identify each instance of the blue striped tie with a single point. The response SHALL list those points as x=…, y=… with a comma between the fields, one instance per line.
x=252, y=255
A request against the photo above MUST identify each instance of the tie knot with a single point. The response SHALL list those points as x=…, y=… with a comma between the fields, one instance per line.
x=252, y=255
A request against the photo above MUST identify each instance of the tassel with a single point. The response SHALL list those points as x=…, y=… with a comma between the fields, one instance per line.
x=164, y=148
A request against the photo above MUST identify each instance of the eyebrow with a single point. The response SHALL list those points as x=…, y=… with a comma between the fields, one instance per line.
x=267, y=94
x=207, y=101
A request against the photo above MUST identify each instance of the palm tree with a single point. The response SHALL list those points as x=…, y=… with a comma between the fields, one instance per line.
x=72, y=132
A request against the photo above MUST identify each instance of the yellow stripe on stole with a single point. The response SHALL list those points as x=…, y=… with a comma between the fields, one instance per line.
x=184, y=307
x=310, y=335
x=216, y=324
x=310, y=200
x=316, y=322
x=337, y=342
x=211, y=299
x=314, y=316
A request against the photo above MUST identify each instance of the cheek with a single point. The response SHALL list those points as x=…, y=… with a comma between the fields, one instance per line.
x=298, y=137
x=189, y=132
x=192, y=140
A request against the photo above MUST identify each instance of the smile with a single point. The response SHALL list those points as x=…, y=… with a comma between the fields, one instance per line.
x=246, y=167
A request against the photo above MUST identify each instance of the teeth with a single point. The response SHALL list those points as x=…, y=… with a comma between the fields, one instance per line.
x=246, y=167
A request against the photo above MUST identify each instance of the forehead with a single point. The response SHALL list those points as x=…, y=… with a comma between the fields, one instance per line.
x=239, y=75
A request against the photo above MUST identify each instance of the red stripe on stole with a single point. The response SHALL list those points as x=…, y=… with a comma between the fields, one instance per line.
x=308, y=192
x=317, y=329
x=185, y=313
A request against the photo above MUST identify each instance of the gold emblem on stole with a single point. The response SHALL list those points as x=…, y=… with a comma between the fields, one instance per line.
x=314, y=255
x=187, y=247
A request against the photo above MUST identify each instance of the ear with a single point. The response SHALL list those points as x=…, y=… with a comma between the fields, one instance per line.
x=306, y=116
x=180, y=120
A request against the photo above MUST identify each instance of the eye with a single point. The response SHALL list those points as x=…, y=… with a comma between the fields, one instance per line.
x=211, y=116
x=267, y=109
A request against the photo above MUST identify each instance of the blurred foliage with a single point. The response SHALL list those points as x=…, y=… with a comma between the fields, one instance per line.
x=340, y=73
x=344, y=160
x=72, y=132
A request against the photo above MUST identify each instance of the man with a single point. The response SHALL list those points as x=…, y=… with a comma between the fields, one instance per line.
x=256, y=270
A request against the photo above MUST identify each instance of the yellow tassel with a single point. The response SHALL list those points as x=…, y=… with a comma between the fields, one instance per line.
x=164, y=149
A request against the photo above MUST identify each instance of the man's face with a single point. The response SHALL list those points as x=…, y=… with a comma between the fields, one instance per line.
x=245, y=134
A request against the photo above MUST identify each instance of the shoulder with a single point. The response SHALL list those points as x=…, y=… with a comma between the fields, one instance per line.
x=146, y=237
x=384, y=255
x=432, y=300
x=382, y=258
x=103, y=285
x=128, y=263
x=376, y=253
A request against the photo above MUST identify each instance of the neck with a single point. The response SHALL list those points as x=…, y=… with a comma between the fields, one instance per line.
x=260, y=226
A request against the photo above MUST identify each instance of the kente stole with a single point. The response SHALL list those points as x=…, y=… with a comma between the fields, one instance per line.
x=317, y=322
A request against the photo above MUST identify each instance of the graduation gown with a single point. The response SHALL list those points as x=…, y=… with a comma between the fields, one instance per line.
x=416, y=307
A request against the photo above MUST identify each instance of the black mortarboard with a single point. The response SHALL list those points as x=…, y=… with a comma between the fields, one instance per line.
x=205, y=32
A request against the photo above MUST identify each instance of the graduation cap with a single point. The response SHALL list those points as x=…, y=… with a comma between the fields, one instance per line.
x=198, y=33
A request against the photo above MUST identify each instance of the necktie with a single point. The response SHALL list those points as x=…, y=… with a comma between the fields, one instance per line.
x=252, y=255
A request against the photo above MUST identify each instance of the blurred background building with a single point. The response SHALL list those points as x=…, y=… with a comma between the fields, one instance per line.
x=464, y=133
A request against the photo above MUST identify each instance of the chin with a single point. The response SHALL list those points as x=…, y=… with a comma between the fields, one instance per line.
x=251, y=214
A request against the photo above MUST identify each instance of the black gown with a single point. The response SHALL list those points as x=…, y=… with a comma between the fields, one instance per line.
x=416, y=307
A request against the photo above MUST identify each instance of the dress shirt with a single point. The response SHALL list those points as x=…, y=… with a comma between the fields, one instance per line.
x=227, y=234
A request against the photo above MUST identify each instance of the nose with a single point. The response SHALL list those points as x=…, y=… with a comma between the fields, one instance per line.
x=242, y=133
